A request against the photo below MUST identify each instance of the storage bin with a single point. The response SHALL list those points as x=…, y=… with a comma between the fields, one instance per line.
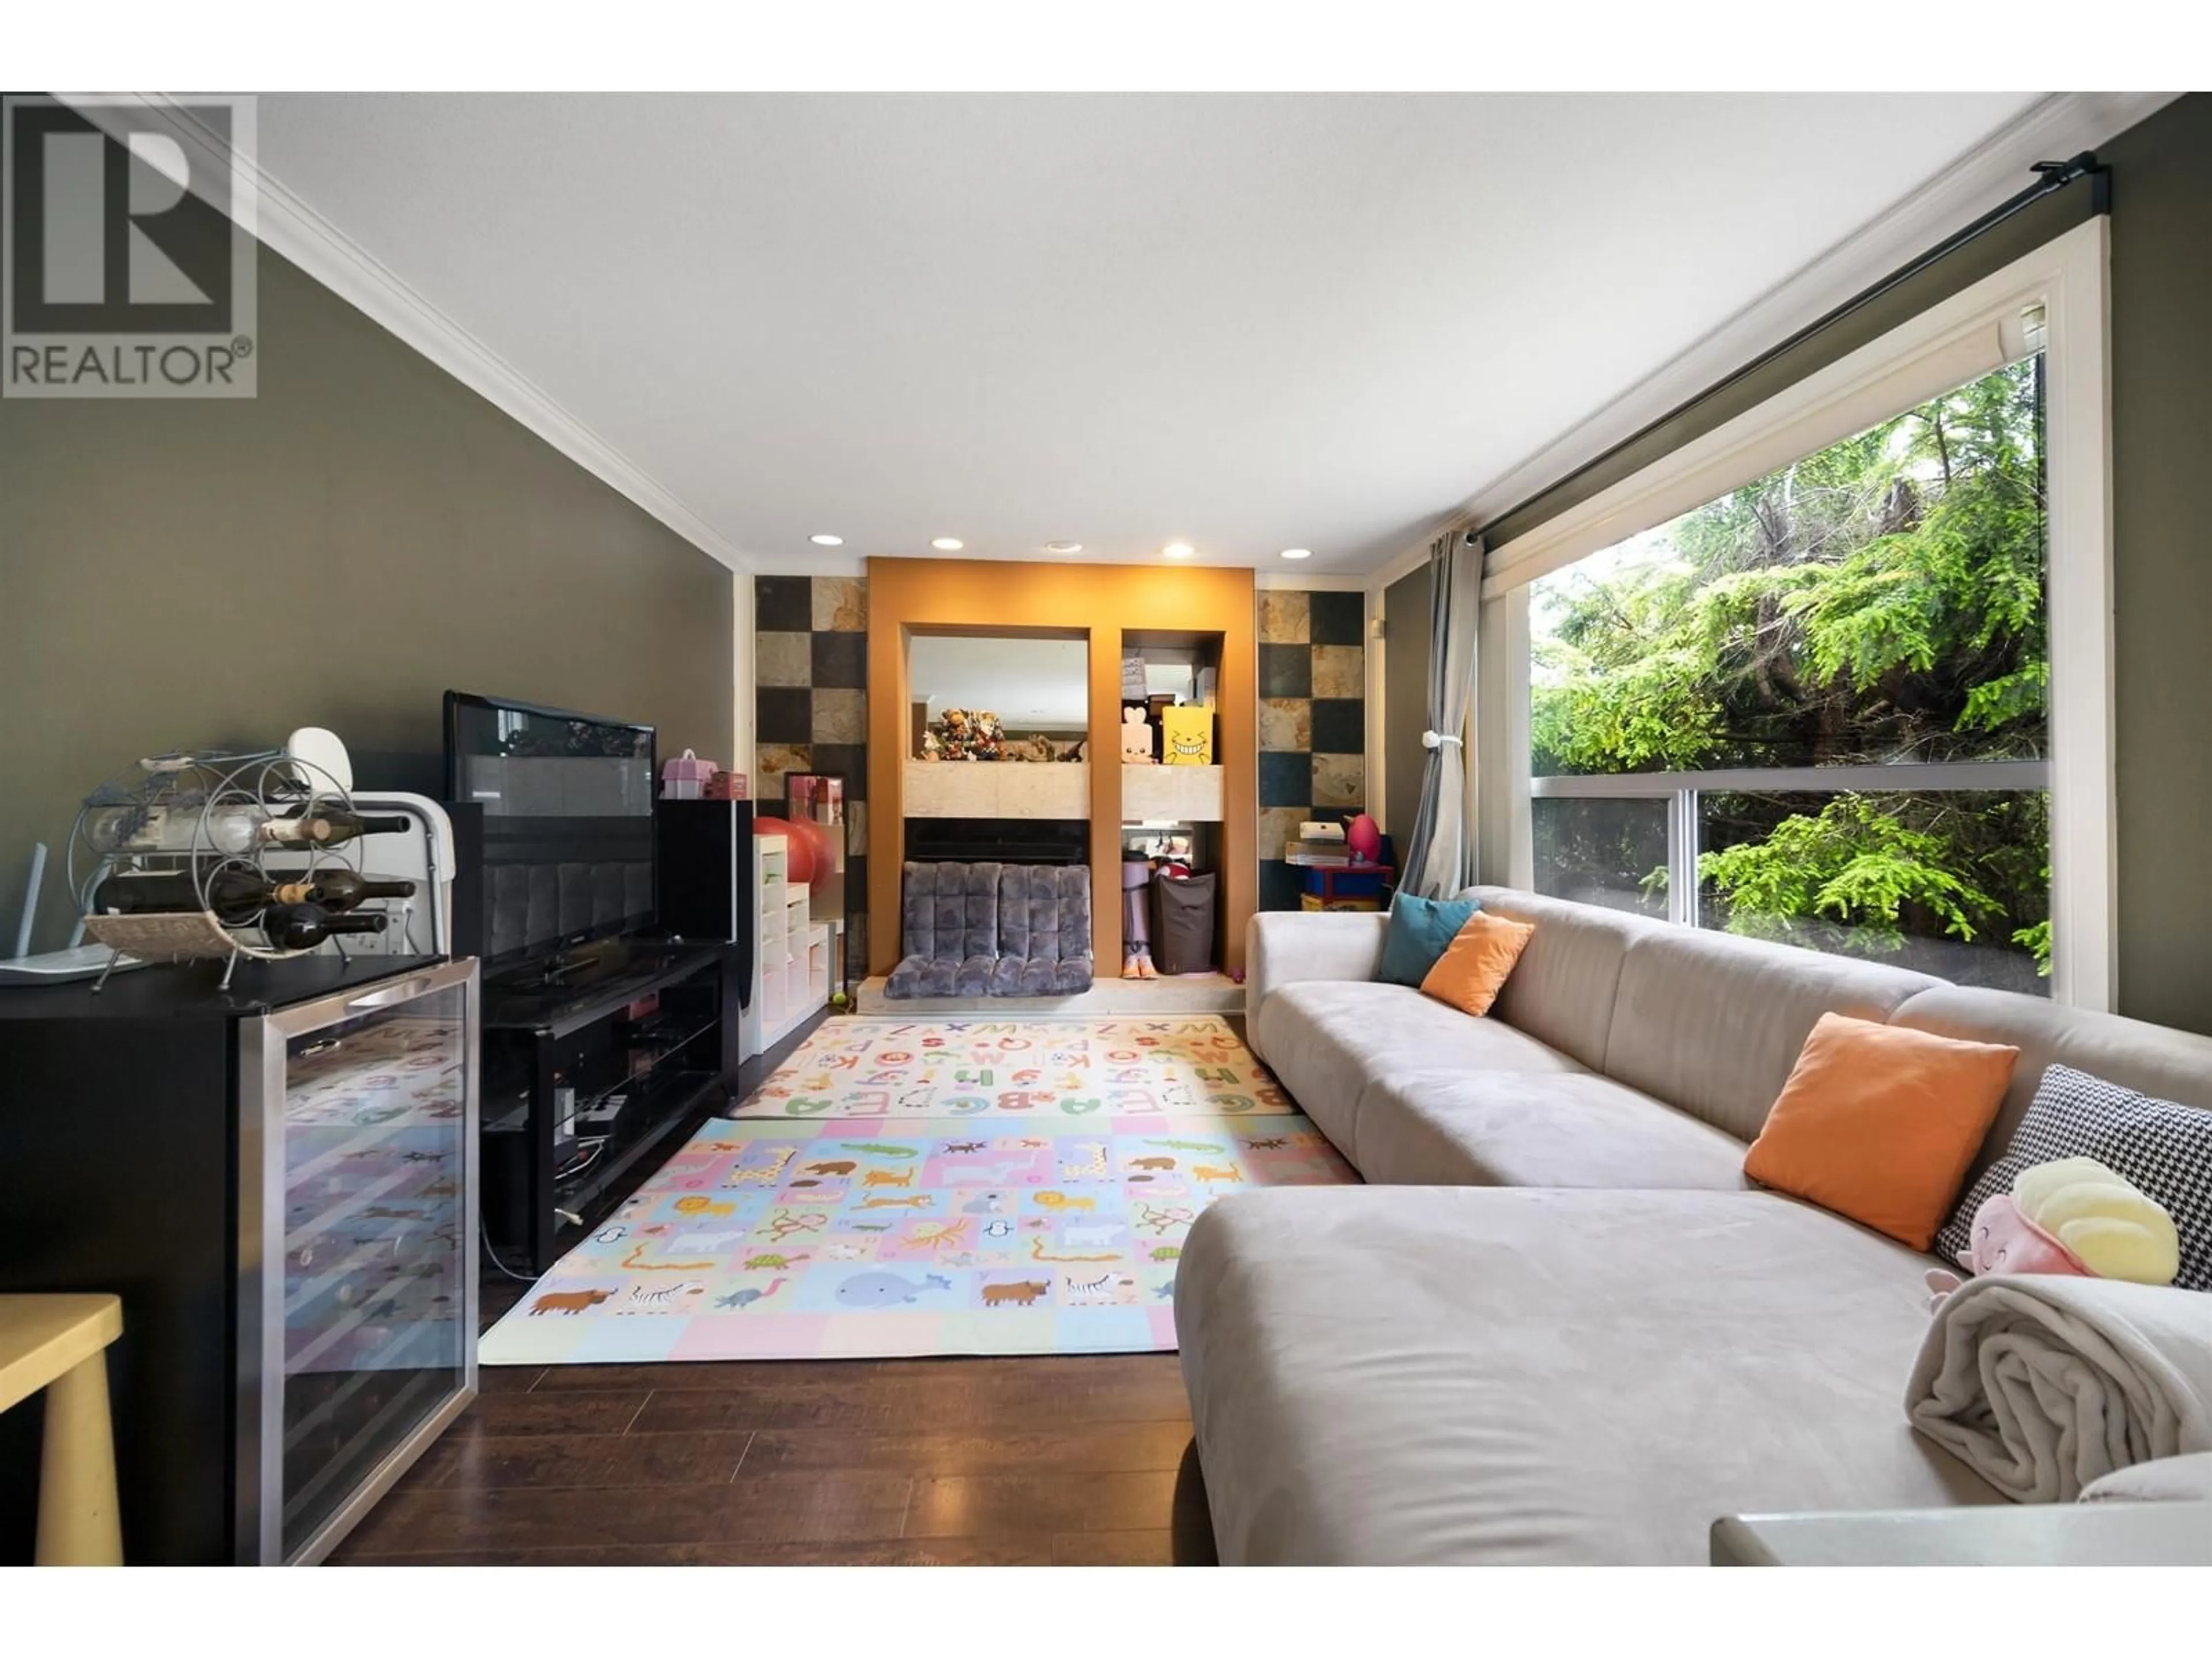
x=1183, y=924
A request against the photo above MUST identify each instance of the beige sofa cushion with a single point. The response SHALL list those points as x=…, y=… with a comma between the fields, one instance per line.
x=1426, y=1126
x=2166, y=1065
x=1282, y=947
x=1562, y=989
x=1712, y=1024
x=1486, y=1375
x=1327, y=1041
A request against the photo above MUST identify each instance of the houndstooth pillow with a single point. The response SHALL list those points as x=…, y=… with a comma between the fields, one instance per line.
x=2165, y=1149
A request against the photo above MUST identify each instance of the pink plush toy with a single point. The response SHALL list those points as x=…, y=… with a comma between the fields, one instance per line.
x=2006, y=1241
x=2072, y=1216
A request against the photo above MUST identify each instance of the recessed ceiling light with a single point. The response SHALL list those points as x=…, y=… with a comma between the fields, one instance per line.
x=1063, y=547
x=948, y=543
x=826, y=541
x=1297, y=552
x=1178, y=550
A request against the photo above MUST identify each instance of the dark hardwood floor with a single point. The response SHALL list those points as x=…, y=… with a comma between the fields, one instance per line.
x=1069, y=1460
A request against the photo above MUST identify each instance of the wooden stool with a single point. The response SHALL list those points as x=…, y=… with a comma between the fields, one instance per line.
x=59, y=1343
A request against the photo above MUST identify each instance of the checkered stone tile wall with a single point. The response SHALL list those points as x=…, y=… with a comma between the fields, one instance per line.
x=810, y=706
x=1313, y=723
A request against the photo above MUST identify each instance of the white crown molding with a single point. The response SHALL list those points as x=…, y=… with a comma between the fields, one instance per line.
x=2055, y=128
x=1322, y=581
x=833, y=561
x=288, y=225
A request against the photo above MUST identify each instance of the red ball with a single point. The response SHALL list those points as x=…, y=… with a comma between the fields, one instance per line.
x=811, y=860
x=799, y=859
x=1363, y=838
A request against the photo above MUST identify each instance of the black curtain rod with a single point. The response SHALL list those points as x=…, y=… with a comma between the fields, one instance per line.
x=2051, y=177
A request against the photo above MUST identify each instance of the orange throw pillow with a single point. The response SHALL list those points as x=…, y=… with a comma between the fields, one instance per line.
x=1880, y=1123
x=1473, y=968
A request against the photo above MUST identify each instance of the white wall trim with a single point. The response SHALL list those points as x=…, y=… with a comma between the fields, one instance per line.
x=1952, y=342
x=2084, y=769
x=1319, y=582
x=288, y=226
x=832, y=561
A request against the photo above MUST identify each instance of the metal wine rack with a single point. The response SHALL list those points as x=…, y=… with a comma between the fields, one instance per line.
x=134, y=822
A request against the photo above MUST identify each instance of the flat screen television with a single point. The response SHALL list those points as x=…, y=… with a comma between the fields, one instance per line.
x=567, y=822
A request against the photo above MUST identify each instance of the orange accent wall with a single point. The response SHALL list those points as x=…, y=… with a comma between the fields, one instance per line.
x=1103, y=602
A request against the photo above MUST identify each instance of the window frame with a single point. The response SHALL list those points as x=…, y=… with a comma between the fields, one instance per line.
x=2063, y=289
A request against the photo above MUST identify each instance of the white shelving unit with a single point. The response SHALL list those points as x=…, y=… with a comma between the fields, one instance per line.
x=791, y=955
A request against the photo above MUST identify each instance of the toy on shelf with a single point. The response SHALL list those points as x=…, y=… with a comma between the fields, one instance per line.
x=1136, y=737
x=2073, y=1217
x=968, y=734
x=1186, y=735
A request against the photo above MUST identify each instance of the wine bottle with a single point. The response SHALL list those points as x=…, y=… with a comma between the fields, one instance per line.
x=234, y=893
x=318, y=825
x=339, y=889
x=233, y=829
x=304, y=926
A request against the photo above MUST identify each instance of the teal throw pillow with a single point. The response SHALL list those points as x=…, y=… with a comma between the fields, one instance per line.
x=1419, y=930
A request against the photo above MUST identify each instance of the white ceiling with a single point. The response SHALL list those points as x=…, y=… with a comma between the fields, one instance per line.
x=1247, y=321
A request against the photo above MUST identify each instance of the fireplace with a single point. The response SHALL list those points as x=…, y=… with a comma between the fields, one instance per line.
x=998, y=841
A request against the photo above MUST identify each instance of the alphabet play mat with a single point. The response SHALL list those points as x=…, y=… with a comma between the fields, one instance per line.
x=1029, y=1216
x=1179, y=1065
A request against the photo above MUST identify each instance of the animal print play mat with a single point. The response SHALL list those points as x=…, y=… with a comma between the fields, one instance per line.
x=1174, y=1066
x=1012, y=1231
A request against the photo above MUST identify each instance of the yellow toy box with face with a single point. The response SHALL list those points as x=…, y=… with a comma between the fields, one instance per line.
x=1187, y=735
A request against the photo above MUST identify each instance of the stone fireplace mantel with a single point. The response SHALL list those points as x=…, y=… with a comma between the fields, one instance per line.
x=998, y=789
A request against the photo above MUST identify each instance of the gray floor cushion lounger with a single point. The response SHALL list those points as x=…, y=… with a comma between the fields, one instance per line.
x=1000, y=930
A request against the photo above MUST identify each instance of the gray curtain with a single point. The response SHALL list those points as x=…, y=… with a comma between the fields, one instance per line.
x=1438, y=858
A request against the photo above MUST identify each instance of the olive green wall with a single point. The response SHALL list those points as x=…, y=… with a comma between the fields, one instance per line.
x=1405, y=702
x=337, y=551
x=2162, y=371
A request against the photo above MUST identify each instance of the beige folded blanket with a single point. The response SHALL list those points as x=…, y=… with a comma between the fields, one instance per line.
x=2041, y=1384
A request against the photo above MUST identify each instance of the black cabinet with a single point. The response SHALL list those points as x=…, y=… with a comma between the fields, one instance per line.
x=279, y=1181
x=585, y=1081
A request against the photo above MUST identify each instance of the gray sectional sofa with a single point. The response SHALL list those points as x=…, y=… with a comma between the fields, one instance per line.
x=1560, y=1326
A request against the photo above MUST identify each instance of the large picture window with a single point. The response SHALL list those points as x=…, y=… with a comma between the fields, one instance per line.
x=1868, y=625
x=1859, y=701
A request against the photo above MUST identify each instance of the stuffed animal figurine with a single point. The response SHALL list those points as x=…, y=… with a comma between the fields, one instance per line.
x=953, y=733
x=2072, y=1216
x=985, y=735
x=1136, y=737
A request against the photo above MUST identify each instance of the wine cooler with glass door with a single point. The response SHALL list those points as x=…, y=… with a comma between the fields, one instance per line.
x=280, y=1181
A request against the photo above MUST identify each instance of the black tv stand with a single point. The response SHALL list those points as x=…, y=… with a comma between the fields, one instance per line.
x=593, y=1064
x=556, y=970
